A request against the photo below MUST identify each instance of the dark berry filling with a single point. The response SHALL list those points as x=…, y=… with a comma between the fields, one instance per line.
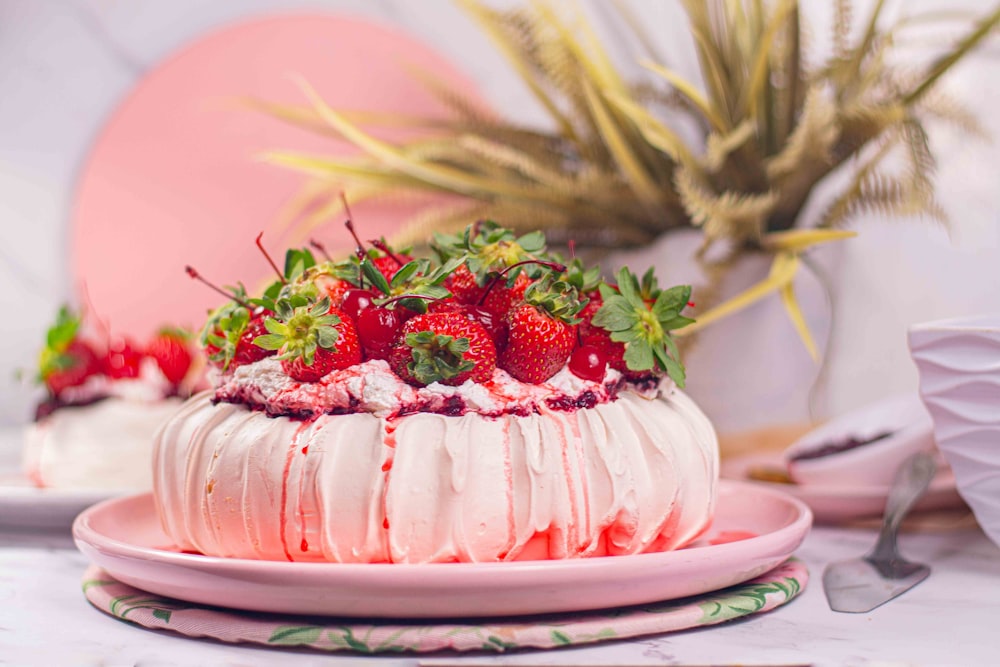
x=836, y=447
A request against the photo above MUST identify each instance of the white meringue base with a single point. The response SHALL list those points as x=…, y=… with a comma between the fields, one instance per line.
x=624, y=477
x=105, y=445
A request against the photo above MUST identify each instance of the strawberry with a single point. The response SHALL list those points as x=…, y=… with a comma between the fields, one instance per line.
x=495, y=326
x=335, y=288
x=541, y=330
x=445, y=347
x=501, y=298
x=66, y=360
x=76, y=362
x=122, y=359
x=170, y=351
x=613, y=352
x=389, y=262
x=324, y=362
x=538, y=344
x=464, y=286
x=641, y=316
x=312, y=339
x=587, y=328
x=246, y=351
x=228, y=337
x=388, y=265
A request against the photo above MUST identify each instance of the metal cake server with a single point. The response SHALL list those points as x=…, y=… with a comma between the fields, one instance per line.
x=862, y=584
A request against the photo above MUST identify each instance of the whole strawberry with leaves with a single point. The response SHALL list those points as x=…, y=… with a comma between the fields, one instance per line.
x=447, y=347
x=228, y=335
x=66, y=360
x=497, y=266
x=641, y=316
x=541, y=330
x=311, y=338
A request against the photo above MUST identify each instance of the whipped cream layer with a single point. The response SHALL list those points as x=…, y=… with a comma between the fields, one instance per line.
x=373, y=387
x=634, y=474
x=105, y=445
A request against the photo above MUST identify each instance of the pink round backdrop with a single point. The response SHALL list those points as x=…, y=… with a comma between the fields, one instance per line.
x=173, y=178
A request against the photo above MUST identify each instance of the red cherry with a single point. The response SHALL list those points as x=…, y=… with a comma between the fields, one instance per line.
x=355, y=301
x=378, y=329
x=122, y=359
x=588, y=363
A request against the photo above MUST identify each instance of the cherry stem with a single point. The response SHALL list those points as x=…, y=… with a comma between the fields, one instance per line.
x=197, y=276
x=270, y=261
x=474, y=232
x=359, y=250
x=350, y=225
x=558, y=268
x=381, y=245
x=400, y=297
x=572, y=248
x=322, y=248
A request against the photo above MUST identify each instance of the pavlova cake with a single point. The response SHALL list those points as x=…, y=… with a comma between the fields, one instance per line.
x=103, y=404
x=494, y=404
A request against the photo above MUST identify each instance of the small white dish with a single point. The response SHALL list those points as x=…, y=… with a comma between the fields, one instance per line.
x=833, y=504
x=862, y=448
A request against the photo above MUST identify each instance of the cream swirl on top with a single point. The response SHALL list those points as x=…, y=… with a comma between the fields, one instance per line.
x=372, y=387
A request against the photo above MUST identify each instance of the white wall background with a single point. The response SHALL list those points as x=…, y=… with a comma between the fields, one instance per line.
x=64, y=64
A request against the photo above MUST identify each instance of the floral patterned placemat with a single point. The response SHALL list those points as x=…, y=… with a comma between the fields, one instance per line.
x=762, y=594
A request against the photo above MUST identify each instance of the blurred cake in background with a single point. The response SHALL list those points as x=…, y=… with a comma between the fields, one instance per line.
x=104, y=402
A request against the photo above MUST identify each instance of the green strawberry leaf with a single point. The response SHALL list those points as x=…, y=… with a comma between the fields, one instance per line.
x=298, y=330
x=375, y=277
x=628, y=288
x=437, y=357
x=269, y=341
x=557, y=297
x=408, y=271
x=533, y=242
x=326, y=337
x=63, y=331
x=639, y=357
x=615, y=315
x=297, y=260
x=645, y=330
x=671, y=301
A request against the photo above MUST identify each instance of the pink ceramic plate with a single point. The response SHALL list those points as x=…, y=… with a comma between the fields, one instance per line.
x=840, y=504
x=123, y=537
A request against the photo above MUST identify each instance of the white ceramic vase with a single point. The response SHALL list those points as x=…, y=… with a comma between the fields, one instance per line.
x=959, y=365
x=749, y=370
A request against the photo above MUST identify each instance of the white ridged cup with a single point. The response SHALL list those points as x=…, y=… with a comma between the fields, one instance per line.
x=959, y=365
